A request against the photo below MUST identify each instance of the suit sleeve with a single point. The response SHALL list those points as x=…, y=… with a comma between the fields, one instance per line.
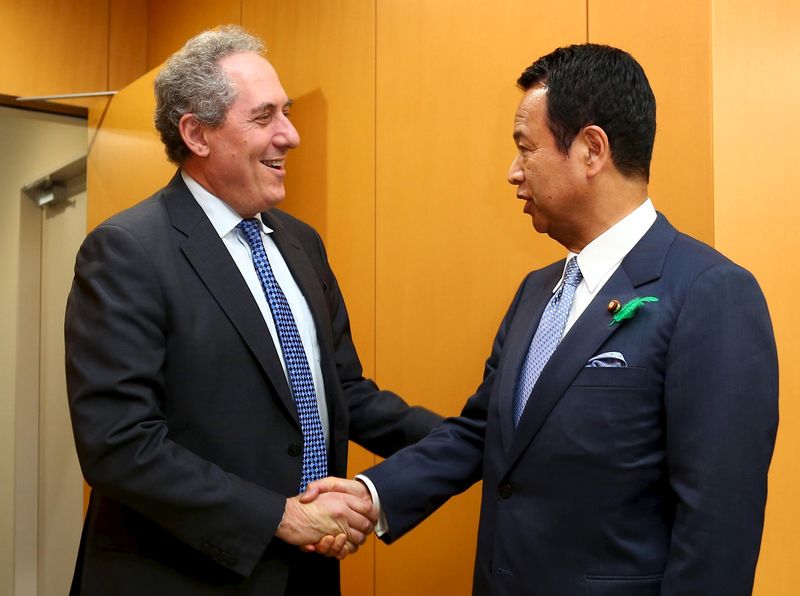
x=117, y=330
x=419, y=479
x=380, y=421
x=721, y=405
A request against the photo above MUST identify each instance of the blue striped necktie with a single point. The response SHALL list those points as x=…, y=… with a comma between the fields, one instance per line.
x=547, y=337
x=315, y=452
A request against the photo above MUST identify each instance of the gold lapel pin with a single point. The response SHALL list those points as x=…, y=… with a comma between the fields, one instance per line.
x=614, y=306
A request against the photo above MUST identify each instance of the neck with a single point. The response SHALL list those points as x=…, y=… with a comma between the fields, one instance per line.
x=607, y=208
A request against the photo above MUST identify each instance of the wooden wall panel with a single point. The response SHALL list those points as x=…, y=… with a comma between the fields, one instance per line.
x=756, y=94
x=324, y=52
x=171, y=23
x=53, y=46
x=672, y=41
x=126, y=158
x=127, y=42
x=452, y=241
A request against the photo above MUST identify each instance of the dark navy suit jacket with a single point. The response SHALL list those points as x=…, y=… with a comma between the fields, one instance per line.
x=184, y=423
x=638, y=481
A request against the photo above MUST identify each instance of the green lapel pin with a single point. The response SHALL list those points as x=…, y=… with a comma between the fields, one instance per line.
x=629, y=309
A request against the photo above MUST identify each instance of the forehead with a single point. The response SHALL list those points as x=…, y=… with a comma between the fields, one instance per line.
x=531, y=111
x=254, y=78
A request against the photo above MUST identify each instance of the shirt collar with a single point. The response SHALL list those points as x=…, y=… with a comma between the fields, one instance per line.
x=606, y=252
x=222, y=217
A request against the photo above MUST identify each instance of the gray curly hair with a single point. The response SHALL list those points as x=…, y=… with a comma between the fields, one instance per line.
x=192, y=82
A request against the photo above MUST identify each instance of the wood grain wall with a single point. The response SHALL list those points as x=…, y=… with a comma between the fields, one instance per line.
x=756, y=92
x=69, y=46
x=405, y=109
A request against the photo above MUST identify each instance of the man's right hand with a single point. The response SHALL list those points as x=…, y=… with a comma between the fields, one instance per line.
x=346, y=518
x=338, y=546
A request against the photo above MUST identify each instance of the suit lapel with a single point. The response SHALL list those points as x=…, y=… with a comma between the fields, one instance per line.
x=212, y=262
x=642, y=265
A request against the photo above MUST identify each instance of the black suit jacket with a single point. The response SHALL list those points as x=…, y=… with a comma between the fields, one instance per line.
x=183, y=419
x=647, y=480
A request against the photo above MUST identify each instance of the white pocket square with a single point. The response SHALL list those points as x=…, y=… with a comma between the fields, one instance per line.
x=607, y=360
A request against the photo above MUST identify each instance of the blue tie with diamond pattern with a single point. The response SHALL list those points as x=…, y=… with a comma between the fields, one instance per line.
x=547, y=337
x=315, y=453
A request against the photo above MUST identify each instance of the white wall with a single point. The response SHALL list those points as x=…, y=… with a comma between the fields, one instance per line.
x=32, y=145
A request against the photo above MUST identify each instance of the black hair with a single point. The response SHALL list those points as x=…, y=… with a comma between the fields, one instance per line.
x=597, y=84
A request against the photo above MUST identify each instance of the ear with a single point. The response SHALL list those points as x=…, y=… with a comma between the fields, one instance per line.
x=193, y=133
x=596, y=148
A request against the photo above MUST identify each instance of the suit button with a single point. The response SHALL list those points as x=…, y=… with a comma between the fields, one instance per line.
x=505, y=490
x=294, y=450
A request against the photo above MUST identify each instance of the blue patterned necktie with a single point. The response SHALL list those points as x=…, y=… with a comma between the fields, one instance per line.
x=315, y=453
x=547, y=337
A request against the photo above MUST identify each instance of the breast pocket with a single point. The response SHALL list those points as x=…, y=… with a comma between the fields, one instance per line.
x=617, y=377
x=609, y=417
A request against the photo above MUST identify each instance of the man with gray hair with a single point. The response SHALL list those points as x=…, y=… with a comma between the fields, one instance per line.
x=211, y=372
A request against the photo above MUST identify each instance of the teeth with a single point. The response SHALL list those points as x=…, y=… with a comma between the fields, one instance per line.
x=274, y=163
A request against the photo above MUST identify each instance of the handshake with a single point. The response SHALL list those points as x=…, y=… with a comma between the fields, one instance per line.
x=333, y=517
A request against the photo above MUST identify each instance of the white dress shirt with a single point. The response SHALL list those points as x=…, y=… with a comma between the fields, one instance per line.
x=600, y=259
x=597, y=261
x=224, y=219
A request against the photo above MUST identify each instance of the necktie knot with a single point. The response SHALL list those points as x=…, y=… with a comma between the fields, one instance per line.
x=250, y=229
x=573, y=275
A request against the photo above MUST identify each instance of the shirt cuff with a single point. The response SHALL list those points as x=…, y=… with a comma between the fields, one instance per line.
x=382, y=526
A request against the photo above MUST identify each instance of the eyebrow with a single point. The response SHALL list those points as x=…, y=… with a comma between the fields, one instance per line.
x=267, y=106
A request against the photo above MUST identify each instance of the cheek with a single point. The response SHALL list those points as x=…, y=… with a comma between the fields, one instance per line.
x=532, y=177
x=227, y=157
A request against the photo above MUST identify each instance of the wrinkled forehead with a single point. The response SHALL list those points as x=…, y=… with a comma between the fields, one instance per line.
x=253, y=78
x=250, y=68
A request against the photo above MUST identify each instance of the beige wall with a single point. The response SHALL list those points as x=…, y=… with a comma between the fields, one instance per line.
x=60, y=490
x=33, y=145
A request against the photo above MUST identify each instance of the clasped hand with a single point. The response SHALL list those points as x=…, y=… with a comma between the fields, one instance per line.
x=333, y=517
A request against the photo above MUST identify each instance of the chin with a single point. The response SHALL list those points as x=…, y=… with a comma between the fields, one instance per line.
x=273, y=200
x=538, y=226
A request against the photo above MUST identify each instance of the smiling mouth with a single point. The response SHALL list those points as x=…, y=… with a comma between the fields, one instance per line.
x=275, y=164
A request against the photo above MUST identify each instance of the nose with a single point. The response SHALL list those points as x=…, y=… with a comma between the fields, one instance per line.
x=287, y=136
x=515, y=174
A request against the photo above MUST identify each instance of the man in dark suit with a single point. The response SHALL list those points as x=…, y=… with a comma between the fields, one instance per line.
x=210, y=366
x=627, y=416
